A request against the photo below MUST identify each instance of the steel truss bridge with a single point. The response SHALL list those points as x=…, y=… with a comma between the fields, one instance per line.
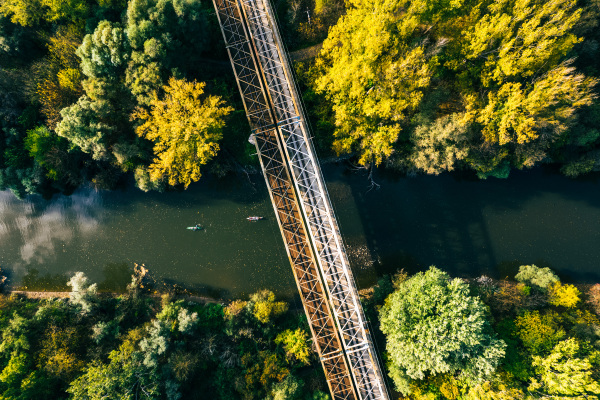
x=300, y=199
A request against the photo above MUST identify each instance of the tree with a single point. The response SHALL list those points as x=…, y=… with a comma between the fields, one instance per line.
x=85, y=125
x=125, y=376
x=185, y=130
x=373, y=80
x=433, y=326
x=288, y=389
x=99, y=122
x=264, y=307
x=395, y=71
x=539, y=332
x=104, y=53
x=564, y=372
x=594, y=298
x=23, y=12
x=296, y=344
x=563, y=295
x=51, y=152
x=440, y=145
x=535, y=276
x=58, y=75
x=31, y=12
x=163, y=35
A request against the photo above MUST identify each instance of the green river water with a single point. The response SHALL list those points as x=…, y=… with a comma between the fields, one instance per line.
x=465, y=226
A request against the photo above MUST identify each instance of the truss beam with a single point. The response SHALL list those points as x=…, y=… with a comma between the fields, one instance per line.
x=285, y=202
x=314, y=200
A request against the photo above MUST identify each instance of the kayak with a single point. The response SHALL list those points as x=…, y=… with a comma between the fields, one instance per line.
x=197, y=227
x=255, y=218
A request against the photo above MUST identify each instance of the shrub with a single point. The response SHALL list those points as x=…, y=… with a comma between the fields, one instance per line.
x=82, y=294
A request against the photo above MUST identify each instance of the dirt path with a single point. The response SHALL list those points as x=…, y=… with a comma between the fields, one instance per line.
x=65, y=295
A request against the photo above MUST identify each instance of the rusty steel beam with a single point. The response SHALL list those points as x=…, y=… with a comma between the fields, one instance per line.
x=284, y=199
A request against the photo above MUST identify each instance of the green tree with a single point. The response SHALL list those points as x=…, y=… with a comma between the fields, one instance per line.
x=99, y=123
x=536, y=276
x=51, y=152
x=185, y=129
x=125, y=376
x=83, y=294
x=163, y=34
x=288, y=389
x=433, y=326
x=564, y=372
x=86, y=125
x=104, y=53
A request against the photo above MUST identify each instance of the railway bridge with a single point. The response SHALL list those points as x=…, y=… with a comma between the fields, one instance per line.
x=300, y=199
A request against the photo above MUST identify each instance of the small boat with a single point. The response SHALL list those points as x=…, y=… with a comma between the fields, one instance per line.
x=255, y=218
x=196, y=227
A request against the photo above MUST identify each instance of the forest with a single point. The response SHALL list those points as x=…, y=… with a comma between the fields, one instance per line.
x=95, y=91
x=533, y=337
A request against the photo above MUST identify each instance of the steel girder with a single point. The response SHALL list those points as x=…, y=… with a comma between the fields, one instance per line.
x=283, y=197
x=315, y=202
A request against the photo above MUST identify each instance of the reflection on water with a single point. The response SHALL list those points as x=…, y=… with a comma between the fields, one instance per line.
x=105, y=233
x=37, y=230
x=467, y=227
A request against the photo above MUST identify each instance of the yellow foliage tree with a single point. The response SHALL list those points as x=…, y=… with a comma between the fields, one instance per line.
x=58, y=356
x=296, y=344
x=30, y=12
x=59, y=78
x=395, y=70
x=539, y=332
x=264, y=306
x=185, y=129
x=563, y=295
x=372, y=78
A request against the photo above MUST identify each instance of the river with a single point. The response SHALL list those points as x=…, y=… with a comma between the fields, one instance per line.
x=465, y=226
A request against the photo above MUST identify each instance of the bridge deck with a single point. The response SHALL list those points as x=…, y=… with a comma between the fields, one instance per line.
x=284, y=201
x=300, y=199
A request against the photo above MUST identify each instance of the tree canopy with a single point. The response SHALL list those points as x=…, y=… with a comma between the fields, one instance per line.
x=433, y=326
x=185, y=129
x=503, y=72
